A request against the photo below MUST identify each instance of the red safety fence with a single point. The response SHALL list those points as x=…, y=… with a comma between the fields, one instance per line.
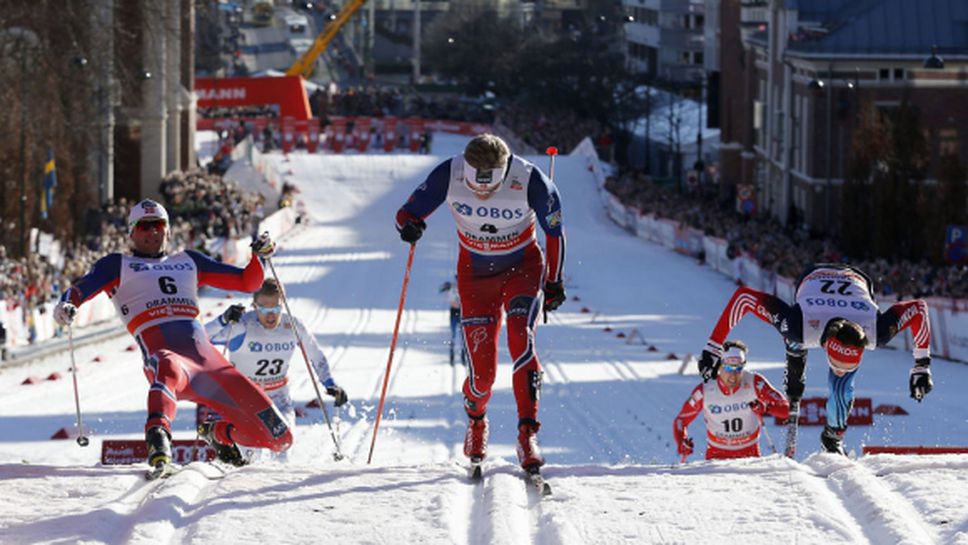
x=871, y=449
x=344, y=133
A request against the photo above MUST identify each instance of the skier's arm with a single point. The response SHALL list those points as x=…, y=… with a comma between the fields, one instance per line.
x=689, y=411
x=766, y=307
x=544, y=199
x=316, y=356
x=217, y=330
x=775, y=402
x=913, y=314
x=103, y=276
x=427, y=197
x=219, y=275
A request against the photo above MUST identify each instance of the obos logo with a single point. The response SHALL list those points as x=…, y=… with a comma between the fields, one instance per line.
x=255, y=347
x=463, y=209
x=859, y=305
x=138, y=267
x=843, y=350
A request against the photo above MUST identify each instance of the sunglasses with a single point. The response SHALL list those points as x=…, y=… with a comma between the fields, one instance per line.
x=732, y=368
x=150, y=225
x=268, y=310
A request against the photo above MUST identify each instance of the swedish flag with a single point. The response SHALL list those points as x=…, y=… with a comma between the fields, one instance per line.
x=50, y=182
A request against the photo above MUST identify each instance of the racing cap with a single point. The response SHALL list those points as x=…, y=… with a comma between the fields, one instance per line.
x=146, y=210
x=483, y=181
x=843, y=342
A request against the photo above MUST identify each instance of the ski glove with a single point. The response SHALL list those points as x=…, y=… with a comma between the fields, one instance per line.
x=709, y=365
x=339, y=395
x=64, y=313
x=758, y=407
x=412, y=231
x=233, y=314
x=554, y=296
x=263, y=246
x=686, y=446
x=920, y=379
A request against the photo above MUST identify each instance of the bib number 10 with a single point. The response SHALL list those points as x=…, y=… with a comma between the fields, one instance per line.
x=733, y=425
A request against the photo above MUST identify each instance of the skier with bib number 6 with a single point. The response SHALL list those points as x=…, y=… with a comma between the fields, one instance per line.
x=156, y=296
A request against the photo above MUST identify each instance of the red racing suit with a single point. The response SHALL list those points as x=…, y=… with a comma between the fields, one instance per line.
x=157, y=299
x=732, y=428
x=500, y=268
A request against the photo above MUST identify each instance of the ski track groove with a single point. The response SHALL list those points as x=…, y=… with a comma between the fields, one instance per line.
x=884, y=515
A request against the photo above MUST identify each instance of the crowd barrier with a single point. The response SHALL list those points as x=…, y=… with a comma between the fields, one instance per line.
x=949, y=317
x=344, y=133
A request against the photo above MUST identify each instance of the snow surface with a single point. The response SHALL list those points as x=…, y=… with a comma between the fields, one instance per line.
x=606, y=412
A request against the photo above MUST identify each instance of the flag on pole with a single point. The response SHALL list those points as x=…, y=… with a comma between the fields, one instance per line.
x=50, y=182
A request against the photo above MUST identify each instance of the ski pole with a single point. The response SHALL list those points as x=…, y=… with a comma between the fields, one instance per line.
x=393, y=345
x=312, y=376
x=766, y=432
x=82, y=440
x=552, y=152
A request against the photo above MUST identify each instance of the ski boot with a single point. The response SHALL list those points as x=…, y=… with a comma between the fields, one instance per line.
x=475, y=440
x=832, y=440
x=159, y=453
x=528, y=452
x=475, y=444
x=229, y=454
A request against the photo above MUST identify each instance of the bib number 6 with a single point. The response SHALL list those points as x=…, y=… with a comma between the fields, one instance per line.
x=167, y=285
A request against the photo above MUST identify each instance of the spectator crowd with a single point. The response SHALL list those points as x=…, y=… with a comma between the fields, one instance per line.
x=781, y=250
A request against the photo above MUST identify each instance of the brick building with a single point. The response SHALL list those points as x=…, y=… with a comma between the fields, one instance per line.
x=795, y=74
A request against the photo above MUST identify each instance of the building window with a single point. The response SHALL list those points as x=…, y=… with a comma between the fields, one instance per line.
x=697, y=57
x=700, y=21
x=884, y=74
x=898, y=74
x=684, y=57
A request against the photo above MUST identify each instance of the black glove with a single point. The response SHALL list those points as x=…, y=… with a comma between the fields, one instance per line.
x=233, y=314
x=709, y=365
x=412, y=231
x=554, y=296
x=339, y=395
x=920, y=379
x=686, y=446
x=263, y=246
x=64, y=313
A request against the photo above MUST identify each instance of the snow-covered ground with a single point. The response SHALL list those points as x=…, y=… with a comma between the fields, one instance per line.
x=607, y=409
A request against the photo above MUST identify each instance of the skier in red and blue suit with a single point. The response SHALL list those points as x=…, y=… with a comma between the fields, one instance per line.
x=156, y=296
x=497, y=199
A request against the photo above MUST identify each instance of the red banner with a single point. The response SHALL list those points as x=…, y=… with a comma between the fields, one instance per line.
x=339, y=135
x=287, y=93
x=135, y=451
x=415, y=127
x=389, y=134
x=312, y=141
x=813, y=412
x=288, y=134
x=363, y=134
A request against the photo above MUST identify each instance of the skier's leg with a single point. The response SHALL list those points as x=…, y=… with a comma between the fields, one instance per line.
x=481, y=310
x=840, y=400
x=167, y=378
x=249, y=416
x=522, y=303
